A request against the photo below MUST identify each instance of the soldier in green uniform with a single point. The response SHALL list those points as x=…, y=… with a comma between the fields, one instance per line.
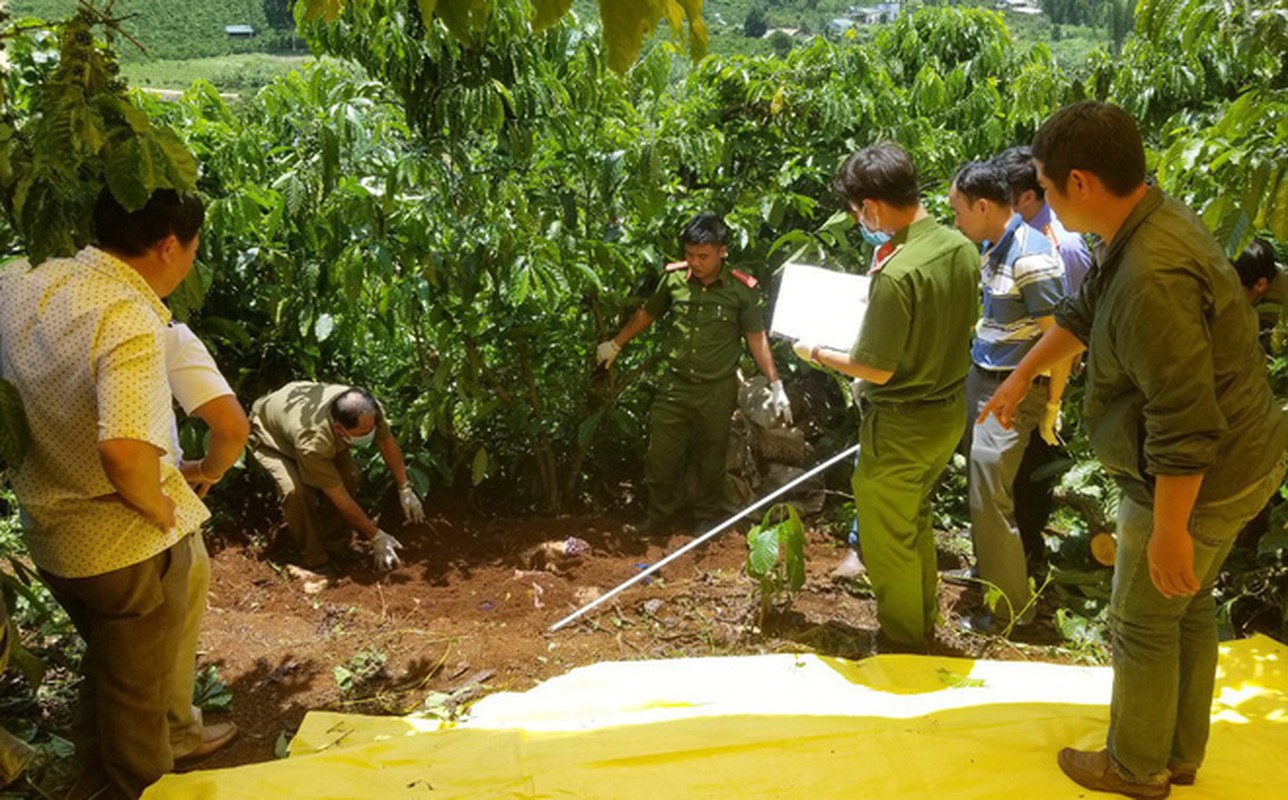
x=710, y=308
x=302, y=434
x=913, y=353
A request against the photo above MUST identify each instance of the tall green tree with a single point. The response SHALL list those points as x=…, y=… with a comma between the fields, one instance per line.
x=626, y=23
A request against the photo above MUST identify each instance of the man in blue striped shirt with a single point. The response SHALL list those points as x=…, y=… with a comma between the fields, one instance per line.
x=1034, y=499
x=1023, y=281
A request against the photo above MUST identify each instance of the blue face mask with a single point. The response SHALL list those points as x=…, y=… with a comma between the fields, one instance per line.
x=874, y=238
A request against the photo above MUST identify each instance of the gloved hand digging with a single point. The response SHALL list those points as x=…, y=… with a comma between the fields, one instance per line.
x=384, y=551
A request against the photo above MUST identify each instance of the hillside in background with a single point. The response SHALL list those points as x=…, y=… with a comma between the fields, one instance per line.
x=185, y=30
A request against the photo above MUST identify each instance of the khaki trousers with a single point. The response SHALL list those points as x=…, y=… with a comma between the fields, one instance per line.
x=303, y=504
x=131, y=620
x=183, y=716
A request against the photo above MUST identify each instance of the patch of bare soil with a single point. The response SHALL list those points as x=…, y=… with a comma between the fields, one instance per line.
x=468, y=613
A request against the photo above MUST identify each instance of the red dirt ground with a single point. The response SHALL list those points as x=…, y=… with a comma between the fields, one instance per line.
x=464, y=608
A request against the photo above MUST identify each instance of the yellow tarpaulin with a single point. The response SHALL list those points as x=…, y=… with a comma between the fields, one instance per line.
x=769, y=726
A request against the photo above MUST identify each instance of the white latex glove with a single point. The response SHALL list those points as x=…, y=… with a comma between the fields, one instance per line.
x=856, y=390
x=413, y=511
x=384, y=551
x=1049, y=427
x=606, y=353
x=778, y=399
x=804, y=350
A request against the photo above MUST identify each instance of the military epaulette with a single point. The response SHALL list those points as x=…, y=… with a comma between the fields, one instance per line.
x=676, y=266
x=744, y=278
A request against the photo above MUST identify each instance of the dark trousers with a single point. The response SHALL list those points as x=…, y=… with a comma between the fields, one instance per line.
x=1035, y=496
x=131, y=620
x=689, y=422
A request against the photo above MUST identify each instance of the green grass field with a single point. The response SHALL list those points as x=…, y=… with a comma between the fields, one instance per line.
x=171, y=29
x=231, y=73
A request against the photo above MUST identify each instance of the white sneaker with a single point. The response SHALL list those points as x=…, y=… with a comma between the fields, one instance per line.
x=850, y=567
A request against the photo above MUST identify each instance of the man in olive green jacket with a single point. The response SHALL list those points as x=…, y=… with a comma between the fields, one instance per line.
x=1179, y=412
x=913, y=353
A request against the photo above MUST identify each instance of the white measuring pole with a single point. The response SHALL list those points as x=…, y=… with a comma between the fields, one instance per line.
x=712, y=532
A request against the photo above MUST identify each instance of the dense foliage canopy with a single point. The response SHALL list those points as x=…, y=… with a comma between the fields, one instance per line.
x=457, y=221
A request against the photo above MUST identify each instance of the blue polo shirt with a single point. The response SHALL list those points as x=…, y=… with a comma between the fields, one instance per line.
x=1069, y=246
x=1022, y=279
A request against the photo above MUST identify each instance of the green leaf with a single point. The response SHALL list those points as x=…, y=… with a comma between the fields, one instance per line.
x=586, y=430
x=763, y=541
x=697, y=27
x=1277, y=220
x=311, y=10
x=15, y=436
x=478, y=471
x=142, y=164
x=282, y=747
x=230, y=331
x=209, y=692
x=992, y=596
x=330, y=158
x=1273, y=541
x=343, y=678
x=547, y=12
x=419, y=479
x=181, y=164
x=135, y=117
x=465, y=18
x=427, y=8
x=792, y=539
x=626, y=22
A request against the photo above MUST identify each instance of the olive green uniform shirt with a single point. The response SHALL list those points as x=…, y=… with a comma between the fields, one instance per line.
x=295, y=421
x=1176, y=382
x=705, y=324
x=922, y=305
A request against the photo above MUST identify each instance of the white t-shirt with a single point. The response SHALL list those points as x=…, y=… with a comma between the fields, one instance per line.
x=194, y=378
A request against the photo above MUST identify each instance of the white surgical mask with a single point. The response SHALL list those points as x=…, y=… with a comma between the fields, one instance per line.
x=363, y=440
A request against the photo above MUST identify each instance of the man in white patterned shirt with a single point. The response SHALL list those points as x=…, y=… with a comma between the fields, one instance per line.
x=107, y=516
x=202, y=392
x=1022, y=282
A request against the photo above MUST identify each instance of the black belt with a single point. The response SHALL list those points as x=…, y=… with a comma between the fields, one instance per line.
x=999, y=375
x=883, y=403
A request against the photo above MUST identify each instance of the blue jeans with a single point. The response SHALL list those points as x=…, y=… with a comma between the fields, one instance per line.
x=1165, y=650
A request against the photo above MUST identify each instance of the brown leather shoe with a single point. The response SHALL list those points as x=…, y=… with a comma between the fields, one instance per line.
x=213, y=739
x=1093, y=770
x=1182, y=776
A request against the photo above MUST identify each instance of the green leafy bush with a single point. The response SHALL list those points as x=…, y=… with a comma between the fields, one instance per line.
x=776, y=556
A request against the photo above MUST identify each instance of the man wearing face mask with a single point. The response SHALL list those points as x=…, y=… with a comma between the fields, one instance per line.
x=913, y=353
x=302, y=434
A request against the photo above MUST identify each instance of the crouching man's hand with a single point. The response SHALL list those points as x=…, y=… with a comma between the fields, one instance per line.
x=384, y=551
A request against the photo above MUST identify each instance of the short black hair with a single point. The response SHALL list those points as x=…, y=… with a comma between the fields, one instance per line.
x=133, y=233
x=1094, y=137
x=881, y=171
x=983, y=180
x=708, y=227
x=1257, y=261
x=1021, y=174
x=349, y=406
